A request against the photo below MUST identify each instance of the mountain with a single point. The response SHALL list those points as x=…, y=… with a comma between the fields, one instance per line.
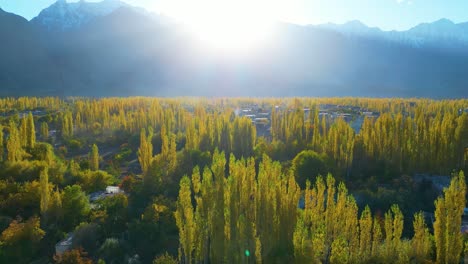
x=144, y=57
x=63, y=16
x=25, y=63
x=127, y=52
x=354, y=28
x=442, y=34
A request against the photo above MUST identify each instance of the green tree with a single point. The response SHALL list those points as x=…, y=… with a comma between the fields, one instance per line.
x=112, y=251
x=307, y=165
x=117, y=214
x=76, y=206
x=87, y=236
x=55, y=208
x=44, y=130
x=45, y=196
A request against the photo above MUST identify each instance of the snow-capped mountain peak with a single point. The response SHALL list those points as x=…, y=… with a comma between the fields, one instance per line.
x=63, y=16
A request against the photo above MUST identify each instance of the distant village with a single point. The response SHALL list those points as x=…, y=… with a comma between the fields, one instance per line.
x=353, y=115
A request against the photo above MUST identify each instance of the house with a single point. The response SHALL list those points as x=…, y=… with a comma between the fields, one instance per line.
x=345, y=117
x=261, y=120
x=113, y=190
x=110, y=191
x=64, y=245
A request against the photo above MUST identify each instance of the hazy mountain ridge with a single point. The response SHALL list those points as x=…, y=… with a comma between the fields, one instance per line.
x=146, y=55
x=442, y=34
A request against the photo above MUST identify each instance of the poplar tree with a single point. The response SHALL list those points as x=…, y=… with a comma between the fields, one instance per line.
x=448, y=215
x=94, y=158
x=184, y=217
x=45, y=196
x=145, y=151
x=13, y=144
x=30, y=132
x=55, y=210
x=23, y=132
x=365, y=236
x=421, y=242
x=376, y=238
x=44, y=130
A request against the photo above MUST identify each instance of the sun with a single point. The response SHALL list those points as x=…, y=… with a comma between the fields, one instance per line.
x=225, y=25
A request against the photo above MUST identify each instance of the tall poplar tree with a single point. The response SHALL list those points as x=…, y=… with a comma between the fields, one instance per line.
x=94, y=158
x=448, y=215
x=145, y=151
x=30, y=132
x=44, y=130
x=13, y=144
x=45, y=196
x=421, y=242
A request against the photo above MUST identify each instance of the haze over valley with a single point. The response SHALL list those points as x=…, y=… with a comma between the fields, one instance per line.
x=111, y=48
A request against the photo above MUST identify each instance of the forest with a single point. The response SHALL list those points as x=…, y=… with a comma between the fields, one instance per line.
x=233, y=180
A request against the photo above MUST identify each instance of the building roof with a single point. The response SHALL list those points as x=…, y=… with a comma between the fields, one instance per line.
x=67, y=241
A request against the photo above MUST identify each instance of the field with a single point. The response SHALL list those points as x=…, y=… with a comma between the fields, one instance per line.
x=232, y=180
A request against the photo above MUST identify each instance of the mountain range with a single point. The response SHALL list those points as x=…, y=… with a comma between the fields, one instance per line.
x=113, y=49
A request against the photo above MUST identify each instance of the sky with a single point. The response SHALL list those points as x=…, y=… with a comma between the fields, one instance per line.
x=385, y=14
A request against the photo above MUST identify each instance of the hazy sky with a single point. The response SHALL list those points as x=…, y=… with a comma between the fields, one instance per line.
x=386, y=14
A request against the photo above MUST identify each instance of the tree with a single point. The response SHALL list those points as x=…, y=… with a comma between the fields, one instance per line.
x=94, y=158
x=87, y=236
x=165, y=259
x=421, y=241
x=15, y=152
x=184, y=217
x=45, y=196
x=75, y=256
x=365, y=227
x=67, y=124
x=20, y=240
x=112, y=251
x=44, y=130
x=340, y=251
x=75, y=206
x=30, y=131
x=307, y=165
x=55, y=208
x=448, y=214
x=145, y=151
x=23, y=130
x=93, y=181
x=117, y=215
